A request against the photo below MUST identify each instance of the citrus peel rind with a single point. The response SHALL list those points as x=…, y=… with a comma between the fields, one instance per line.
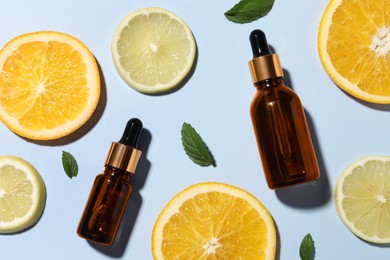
x=153, y=50
x=362, y=198
x=22, y=194
x=353, y=48
x=214, y=221
x=49, y=85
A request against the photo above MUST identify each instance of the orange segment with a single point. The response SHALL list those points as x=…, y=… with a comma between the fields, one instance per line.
x=353, y=44
x=49, y=85
x=214, y=221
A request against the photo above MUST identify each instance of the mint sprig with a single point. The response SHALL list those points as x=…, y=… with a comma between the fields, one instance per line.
x=70, y=165
x=195, y=147
x=247, y=11
x=306, y=251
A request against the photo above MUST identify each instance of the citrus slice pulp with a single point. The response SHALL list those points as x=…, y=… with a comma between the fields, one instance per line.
x=22, y=194
x=214, y=221
x=354, y=44
x=153, y=50
x=363, y=198
x=49, y=85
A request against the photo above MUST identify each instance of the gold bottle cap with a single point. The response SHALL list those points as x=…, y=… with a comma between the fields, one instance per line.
x=124, y=154
x=123, y=157
x=265, y=67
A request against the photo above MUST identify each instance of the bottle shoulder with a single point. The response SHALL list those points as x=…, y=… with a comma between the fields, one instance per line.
x=114, y=174
x=280, y=92
x=275, y=97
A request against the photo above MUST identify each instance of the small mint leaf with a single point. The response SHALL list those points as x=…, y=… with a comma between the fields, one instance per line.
x=195, y=147
x=247, y=11
x=70, y=164
x=306, y=251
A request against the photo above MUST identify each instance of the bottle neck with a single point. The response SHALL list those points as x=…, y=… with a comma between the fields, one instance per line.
x=116, y=173
x=269, y=83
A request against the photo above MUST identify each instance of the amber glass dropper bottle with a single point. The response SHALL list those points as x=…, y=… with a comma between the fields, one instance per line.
x=111, y=190
x=279, y=122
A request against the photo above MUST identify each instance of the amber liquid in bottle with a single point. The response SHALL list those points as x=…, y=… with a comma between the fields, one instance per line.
x=279, y=122
x=283, y=137
x=106, y=206
x=111, y=190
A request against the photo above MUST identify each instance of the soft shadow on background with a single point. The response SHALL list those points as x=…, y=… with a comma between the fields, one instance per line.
x=131, y=213
x=277, y=253
x=379, y=107
x=312, y=194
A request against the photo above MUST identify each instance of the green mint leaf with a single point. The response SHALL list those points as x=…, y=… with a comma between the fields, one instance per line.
x=306, y=251
x=70, y=164
x=247, y=11
x=194, y=146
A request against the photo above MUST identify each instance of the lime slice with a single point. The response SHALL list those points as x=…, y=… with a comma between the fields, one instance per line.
x=363, y=198
x=153, y=50
x=22, y=194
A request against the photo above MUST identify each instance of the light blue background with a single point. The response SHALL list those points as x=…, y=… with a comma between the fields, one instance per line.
x=215, y=100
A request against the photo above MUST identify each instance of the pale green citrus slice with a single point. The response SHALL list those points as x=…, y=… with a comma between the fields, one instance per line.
x=214, y=221
x=153, y=50
x=22, y=194
x=363, y=198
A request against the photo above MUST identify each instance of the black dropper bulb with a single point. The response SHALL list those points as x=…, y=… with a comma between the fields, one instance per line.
x=259, y=43
x=132, y=133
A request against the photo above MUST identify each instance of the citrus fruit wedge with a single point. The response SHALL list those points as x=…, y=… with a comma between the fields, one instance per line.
x=22, y=194
x=353, y=45
x=214, y=221
x=153, y=50
x=363, y=198
x=49, y=85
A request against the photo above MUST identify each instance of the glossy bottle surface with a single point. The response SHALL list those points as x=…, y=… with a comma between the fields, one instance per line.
x=282, y=134
x=111, y=190
x=105, y=207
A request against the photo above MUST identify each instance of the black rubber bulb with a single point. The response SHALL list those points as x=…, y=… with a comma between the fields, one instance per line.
x=259, y=43
x=132, y=133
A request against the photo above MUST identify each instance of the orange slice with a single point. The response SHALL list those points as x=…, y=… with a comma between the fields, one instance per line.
x=214, y=221
x=354, y=44
x=49, y=85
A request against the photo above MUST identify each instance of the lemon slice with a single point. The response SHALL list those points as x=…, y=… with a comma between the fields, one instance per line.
x=214, y=221
x=22, y=194
x=354, y=44
x=49, y=85
x=153, y=50
x=363, y=198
